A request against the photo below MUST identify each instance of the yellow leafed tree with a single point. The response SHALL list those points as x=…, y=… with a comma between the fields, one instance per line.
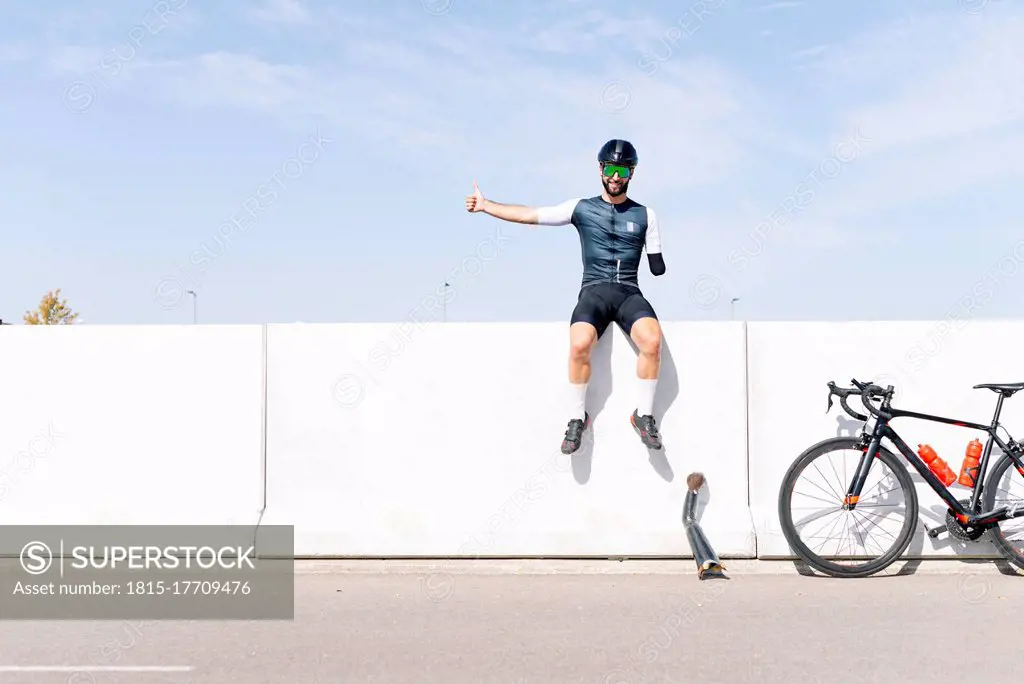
x=52, y=311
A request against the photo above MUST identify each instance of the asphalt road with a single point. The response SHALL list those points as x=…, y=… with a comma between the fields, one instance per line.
x=594, y=628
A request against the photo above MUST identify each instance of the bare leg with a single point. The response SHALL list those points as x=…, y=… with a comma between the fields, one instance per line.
x=582, y=338
x=646, y=334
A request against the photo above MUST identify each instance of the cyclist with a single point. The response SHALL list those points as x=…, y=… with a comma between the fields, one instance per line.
x=614, y=231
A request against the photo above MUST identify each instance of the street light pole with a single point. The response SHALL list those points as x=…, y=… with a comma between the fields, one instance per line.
x=732, y=308
x=195, y=304
x=444, y=304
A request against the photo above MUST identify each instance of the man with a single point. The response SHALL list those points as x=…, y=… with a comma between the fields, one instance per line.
x=613, y=230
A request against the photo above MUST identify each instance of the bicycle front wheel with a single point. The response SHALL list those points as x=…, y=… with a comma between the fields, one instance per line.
x=888, y=496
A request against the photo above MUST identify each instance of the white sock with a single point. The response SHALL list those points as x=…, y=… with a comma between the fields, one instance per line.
x=577, y=406
x=645, y=397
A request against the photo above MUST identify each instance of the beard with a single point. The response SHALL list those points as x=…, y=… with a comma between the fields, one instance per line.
x=612, y=190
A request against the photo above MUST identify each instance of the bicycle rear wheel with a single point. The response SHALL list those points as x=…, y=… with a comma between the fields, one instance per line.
x=1007, y=535
x=876, y=504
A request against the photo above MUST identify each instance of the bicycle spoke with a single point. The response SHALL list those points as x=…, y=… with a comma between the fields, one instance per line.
x=840, y=498
x=812, y=497
x=846, y=537
x=879, y=484
x=838, y=495
x=858, y=511
x=879, y=547
x=838, y=479
x=828, y=537
x=853, y=535
x=859, y=530
x=855, y=531
x=811, y=518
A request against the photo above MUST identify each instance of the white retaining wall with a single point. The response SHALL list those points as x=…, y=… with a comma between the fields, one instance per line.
x=130, y=425
x=388, y=440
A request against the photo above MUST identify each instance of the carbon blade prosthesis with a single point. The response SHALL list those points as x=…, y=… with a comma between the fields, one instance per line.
x=708, y=564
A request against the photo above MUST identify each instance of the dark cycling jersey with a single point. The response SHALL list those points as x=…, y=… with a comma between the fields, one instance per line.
x=612, y=236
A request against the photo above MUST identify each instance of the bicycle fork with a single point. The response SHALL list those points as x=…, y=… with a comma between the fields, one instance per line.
x=869, y=447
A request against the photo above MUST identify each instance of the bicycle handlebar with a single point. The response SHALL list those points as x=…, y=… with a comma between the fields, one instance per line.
x=865, y=390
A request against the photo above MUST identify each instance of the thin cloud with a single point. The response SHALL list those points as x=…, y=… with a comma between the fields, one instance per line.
x=14, y=53
x=970, y=86
x=784, y=4
x=948, y=121
x=810, y=52
x=695, y=122
x=282, y=12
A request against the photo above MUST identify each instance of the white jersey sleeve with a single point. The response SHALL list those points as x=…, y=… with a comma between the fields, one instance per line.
x=558, y=215
x=653, y=240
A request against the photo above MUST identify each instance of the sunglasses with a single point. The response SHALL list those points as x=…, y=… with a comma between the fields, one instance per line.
x=611, y=169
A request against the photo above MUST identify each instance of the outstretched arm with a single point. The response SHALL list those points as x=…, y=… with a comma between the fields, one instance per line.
x=516, y=213
x=653, y=244
x=557, y=215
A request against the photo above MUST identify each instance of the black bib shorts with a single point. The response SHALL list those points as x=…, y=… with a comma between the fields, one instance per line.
x=604, y=303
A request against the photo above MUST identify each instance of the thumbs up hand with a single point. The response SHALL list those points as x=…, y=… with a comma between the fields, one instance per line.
x=475, y=202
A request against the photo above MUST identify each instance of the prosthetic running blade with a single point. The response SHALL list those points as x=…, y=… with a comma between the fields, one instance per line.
x=708, y=564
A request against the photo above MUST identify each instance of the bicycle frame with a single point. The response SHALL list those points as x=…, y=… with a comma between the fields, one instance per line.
x=965, y=515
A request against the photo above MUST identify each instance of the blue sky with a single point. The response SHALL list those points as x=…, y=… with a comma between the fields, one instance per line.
x=820, y=161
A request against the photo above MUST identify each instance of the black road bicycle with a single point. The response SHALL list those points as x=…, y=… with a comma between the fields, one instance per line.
x=967, y=519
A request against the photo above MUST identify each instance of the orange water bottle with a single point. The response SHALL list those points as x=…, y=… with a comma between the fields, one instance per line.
x=936, y=464
x=969, y=470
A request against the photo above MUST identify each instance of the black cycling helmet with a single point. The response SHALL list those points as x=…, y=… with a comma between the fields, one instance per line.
x=618, y=152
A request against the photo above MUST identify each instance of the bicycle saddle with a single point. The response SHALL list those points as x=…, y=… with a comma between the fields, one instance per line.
x=1007, y=387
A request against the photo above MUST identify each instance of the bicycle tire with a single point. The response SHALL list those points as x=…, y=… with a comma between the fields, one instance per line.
x=821, y=564
x=988, y=499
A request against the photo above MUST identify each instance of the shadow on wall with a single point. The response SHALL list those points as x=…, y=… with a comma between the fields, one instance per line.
x=848, y=427
x=600, y=388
